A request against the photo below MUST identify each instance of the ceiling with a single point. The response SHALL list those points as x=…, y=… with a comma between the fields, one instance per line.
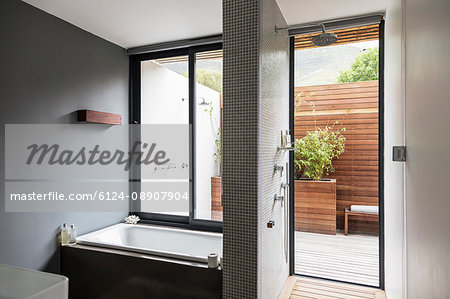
x=308, y=11
x=132, y=23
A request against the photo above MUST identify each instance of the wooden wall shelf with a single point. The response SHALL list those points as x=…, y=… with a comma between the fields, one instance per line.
x=93, y=116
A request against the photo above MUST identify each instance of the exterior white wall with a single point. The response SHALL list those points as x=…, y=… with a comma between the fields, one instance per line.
x=394, y=135
x=205, y=135
x=428, y=143
x=162, y=91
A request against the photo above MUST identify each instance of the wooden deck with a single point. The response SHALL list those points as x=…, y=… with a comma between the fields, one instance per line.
x=352, y=258
x=299, y=288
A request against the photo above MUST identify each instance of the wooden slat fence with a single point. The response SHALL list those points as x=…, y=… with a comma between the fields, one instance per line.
x=355, y=107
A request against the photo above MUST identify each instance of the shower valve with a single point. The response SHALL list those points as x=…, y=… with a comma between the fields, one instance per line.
x=277, y=197
x=279, y=168
x=270, y=224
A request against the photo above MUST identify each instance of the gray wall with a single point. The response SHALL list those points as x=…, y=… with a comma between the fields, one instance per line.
x=255, y=110
x=49, y=69
x=274, y=118
x=428, y=144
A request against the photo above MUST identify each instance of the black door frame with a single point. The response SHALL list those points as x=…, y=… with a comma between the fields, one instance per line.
x=380, y=159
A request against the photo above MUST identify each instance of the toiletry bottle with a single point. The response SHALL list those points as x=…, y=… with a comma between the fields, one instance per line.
x=72, y=234
x=64, y=234
x=288, y=138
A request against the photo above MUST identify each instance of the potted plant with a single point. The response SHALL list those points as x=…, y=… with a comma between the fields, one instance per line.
x=315, y=197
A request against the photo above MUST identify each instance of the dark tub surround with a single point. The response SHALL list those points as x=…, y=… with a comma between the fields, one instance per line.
x=103, y=273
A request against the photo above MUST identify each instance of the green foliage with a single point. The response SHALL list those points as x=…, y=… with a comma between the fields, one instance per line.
x=208, y=78
x=211, y=79
x=218, y=154
x=315, y=152
x=210, y=110
x=217, y=140
x=364, y=68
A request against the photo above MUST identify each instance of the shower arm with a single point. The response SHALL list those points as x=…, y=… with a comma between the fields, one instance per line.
x=351, y=22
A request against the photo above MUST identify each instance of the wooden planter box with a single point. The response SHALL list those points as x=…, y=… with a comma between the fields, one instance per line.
x=216, y=207
x=315, y=206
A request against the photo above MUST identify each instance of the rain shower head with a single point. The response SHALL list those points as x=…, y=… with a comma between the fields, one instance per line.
x=324, y=39
x=203, y=102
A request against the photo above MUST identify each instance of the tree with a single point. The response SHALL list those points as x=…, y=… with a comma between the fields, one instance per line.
x=208, y=78
x=364, y=68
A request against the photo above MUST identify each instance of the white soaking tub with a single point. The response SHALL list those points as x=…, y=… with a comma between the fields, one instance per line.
x=157, y=240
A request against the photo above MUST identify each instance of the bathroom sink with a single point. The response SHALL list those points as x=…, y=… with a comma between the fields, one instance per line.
x=17, y=283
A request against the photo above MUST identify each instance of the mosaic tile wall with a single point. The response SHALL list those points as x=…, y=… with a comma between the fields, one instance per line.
x=255, y=99
x=274, y=118
x=240, y=140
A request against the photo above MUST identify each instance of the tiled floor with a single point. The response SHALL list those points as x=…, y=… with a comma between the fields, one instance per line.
x=352, y=258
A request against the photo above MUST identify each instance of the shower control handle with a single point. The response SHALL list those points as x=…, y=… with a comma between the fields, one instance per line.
x=277, y=197
x=279, y=168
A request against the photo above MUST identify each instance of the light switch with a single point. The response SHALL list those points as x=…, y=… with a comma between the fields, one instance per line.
x=399, y=153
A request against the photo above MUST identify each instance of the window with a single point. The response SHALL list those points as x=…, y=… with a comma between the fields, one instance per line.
x=208, y=146
x=184, y=87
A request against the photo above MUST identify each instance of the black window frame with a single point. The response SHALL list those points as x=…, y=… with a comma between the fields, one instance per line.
x=189, y=222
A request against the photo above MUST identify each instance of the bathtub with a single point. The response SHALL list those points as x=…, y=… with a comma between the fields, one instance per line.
x=187, y=245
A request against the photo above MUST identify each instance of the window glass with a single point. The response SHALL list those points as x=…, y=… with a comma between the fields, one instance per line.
x=208, y=121
x=165, y=101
